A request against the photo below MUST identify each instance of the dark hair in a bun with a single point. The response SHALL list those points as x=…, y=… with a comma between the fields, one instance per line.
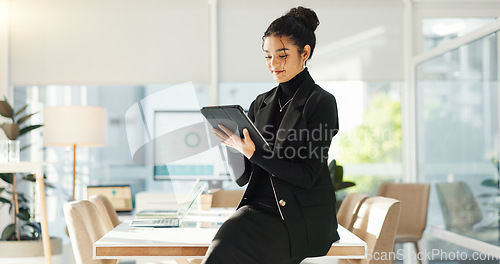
x=305, y=15
x=298, y=24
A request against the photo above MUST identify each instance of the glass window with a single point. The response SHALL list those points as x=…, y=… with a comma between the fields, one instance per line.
x=368, y=145
x=436, y=31
x=458, y=138
x=113, y=163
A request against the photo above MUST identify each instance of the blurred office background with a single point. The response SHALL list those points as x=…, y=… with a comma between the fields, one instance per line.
x=416, y=84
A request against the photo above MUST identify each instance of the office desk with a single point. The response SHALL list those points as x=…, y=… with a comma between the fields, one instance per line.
x=124, y=242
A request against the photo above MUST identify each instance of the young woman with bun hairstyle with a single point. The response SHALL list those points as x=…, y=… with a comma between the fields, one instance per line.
x=288, y=210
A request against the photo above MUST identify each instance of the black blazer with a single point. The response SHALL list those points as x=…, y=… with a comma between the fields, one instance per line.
x=303, y=186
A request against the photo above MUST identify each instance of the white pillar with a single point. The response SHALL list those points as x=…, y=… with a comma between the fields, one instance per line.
x=213, y=91
x=4, y=86
x=4, y=48
x=408, y=94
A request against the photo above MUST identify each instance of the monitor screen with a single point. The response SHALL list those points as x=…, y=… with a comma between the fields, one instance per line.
x=183, y=148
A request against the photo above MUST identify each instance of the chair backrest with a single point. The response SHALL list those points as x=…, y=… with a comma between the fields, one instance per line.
x=414, y=198
x=106, y=210
x=227, y=198
x=349, y=208
x=85, y=226
x=376, y=224
x=459, y=206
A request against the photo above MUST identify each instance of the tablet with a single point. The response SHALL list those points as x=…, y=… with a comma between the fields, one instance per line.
x=234, y=118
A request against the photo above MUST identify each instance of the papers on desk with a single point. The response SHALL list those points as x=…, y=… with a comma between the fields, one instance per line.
x=205, y=218
x=214, y=215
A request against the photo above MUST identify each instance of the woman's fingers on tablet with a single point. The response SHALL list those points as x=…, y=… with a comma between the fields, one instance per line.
x=217, y=132
x=227, y=131
x=220, y=134
x=229, y=138
x=225, y=139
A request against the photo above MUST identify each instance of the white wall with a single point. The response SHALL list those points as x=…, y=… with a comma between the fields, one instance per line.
x=108, y=42
x=159, y=41
x=4, y=48
x=356, y=40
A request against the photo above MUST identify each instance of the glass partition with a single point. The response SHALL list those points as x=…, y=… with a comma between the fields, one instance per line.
x=113, y=163
x=368, y=144
x=458, y=139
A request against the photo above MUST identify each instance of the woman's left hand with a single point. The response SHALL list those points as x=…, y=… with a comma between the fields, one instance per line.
x=244, y=145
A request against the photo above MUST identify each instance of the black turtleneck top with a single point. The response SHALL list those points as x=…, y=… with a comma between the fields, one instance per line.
x=264, y=198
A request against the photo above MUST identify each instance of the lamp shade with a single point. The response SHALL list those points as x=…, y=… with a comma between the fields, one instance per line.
x=74, y=125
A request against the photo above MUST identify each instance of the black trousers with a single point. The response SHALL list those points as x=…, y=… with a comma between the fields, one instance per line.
x=251, y=236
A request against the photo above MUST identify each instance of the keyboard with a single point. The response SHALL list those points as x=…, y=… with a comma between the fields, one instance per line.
x=164, y=222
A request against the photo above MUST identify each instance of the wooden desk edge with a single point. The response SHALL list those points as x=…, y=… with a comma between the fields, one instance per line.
x=102, y=252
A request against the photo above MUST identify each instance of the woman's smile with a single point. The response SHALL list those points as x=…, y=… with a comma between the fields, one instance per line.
x=276, y=72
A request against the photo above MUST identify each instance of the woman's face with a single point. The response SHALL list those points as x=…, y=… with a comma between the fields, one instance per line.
x=283, y=58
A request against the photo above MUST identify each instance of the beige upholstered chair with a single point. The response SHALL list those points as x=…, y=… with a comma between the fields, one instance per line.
x=85, y=226
x=349, y=208
x=106, y=210
x=227, y=198
x=376, y=224
x=414, y=199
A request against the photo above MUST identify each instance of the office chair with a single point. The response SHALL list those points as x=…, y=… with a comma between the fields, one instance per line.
x=85, y=226
x=414, y=199
x=106, y=210
x=349, y=209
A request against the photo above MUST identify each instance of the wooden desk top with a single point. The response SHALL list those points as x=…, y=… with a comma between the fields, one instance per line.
x=125, y=242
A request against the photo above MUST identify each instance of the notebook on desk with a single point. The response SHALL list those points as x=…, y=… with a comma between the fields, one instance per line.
x=169, y=217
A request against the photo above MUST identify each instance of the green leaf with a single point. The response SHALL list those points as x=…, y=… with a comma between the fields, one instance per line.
x=27, y=129
x=28, y=237
x=24, y=118
x=11, y=130
x=1, y=190
x=25, y=147
x=20, y=111
x=23, y=214
x=490, y=183
x=339, y=174
x=30, y=177
x=7, y=177
x=331, y=167
x=36, y=227
x=6, y=109
x=8, y=232
x=343, y=185
x=3, y=200
x=21, y=198
x=487, y=195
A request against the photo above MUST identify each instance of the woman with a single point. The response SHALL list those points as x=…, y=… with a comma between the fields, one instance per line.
x=288, y=210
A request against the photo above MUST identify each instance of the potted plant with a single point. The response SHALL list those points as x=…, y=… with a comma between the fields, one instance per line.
x=337, y=175
x=20, y=238
x=13, y=130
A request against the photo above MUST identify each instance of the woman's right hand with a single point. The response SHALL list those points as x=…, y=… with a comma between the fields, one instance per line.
x=244, y=145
